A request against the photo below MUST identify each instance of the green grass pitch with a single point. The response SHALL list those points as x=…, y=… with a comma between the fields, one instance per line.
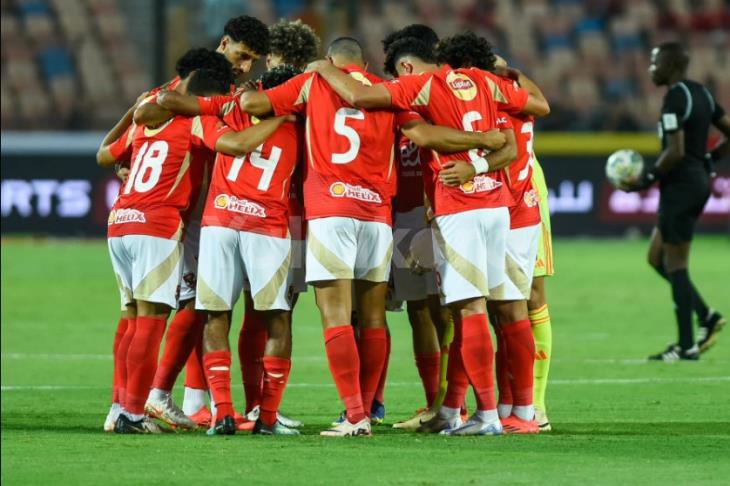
x=617, y=419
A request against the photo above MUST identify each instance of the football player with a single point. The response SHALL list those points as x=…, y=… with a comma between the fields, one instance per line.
x=348, y=188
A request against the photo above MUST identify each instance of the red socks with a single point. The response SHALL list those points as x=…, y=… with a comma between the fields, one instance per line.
x=456, y=377
x=118, y=337
x=182, y=335
x=344, y=363
x=251, y=345
x=276, y=375
x=478, y=357
x=380, y=392
x=372, y=349
x=520, y=358
x=120, y=360
x=428, y=369
x=218, y=371
x=144, y=349
x=504, y=384
x=194, y=375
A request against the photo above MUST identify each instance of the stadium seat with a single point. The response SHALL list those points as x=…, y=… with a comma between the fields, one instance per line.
x=550, y=39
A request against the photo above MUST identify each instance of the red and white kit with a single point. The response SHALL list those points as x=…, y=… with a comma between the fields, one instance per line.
x=245, y=239
x=148, y=220
x=525, y=224
x=349, y=179
x=471, y=221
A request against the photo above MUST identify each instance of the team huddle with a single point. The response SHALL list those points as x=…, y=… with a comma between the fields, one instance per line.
x=422, y=191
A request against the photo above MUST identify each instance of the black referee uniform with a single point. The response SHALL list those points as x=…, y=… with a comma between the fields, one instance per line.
x=685, y=189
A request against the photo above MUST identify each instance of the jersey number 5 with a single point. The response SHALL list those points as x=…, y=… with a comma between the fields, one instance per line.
x=266, y=165
x=348, y=132
x=147, y=167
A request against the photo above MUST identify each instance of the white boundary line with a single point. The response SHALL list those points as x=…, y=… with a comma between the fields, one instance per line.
x=313, y=358
x=570, y=382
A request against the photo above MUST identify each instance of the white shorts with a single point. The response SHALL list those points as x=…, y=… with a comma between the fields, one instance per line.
x=348, y=248
x=191, y=245
x=408, y=285
x=522, y=244
x=229, y=257
x=297, y=269
x=470, y=253
x=147, y=268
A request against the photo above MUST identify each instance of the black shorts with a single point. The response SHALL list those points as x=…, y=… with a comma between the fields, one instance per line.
x=680, y=206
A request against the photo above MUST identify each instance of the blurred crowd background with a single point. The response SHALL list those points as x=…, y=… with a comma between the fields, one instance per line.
x=78, y=64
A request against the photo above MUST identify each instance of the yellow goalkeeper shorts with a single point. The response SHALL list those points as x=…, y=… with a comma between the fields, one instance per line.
x=544, y=263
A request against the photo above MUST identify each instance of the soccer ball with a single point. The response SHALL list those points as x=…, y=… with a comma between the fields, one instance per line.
x=624, y=167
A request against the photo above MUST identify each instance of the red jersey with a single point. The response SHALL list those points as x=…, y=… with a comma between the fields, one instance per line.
x=201, y=167
x=251, y=193
x=170, y=85
x=511, y=99
x=411, y=159
x=526, y=212
x=459, y=99
x=160, y=187
x=350, y=170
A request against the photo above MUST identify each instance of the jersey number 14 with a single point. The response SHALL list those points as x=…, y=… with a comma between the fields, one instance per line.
x=268, y=166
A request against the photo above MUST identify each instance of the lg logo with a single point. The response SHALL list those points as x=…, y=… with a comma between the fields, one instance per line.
x=44, y=197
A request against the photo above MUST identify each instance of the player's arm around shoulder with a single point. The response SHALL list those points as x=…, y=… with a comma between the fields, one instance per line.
x=180, y=104
x=245, y=141
x=536, y=103
x=349, y=89
x=256, y=103
x=447, y=140
x=150, y=113
x=456, y=173
x=116, y=145
x=504, y=156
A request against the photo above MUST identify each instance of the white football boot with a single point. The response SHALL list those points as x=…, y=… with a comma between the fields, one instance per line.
x=346, y=429
x=160, y=406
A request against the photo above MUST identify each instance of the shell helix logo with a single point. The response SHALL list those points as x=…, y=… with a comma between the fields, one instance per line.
x=480, y=184
x=221, y=201
x=121, y=216
x=467, y=187
x=462, y=86
x=338, y=189
x=242, y=206
x=342, y=189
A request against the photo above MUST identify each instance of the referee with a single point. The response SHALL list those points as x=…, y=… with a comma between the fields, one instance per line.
x=683, y=171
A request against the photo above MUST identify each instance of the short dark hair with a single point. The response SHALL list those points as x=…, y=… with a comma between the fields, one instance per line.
x=419, y=31
x=205, y=82
x=294, y=41
x=347, y=47
x=250, y=31
x=677, y=53
x=278, y=75
x=466, y=50
x=197, y=58
x=407, y=46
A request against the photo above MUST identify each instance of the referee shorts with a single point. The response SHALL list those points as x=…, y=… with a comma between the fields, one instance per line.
x=680, y=206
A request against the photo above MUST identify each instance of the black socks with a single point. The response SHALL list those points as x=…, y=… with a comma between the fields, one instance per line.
x=682, y=295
